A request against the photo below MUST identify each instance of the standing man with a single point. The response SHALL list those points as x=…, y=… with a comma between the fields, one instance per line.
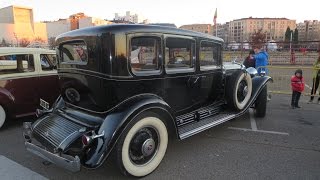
x=261, y=57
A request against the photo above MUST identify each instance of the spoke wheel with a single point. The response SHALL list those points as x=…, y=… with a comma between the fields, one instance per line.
x=142, y=145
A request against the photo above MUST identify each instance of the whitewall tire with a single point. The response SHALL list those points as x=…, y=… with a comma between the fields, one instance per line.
x=142, y=146
x=2, y=116
x=239, y=90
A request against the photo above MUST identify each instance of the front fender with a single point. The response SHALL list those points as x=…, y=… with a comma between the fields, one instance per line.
x=258, y=83
x=117, y=120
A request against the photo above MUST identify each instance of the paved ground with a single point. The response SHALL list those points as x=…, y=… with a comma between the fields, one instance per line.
x=284, y=145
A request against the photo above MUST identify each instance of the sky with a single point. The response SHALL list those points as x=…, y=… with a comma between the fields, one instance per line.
x=179, y=12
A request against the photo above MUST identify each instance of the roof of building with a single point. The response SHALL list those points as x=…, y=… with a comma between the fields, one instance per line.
x=15, y=6
x=266, y=18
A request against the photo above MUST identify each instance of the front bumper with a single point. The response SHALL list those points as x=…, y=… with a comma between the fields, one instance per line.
x=62, y=160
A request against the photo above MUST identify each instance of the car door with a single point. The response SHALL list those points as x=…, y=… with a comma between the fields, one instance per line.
x=181, y=83
x=48, y=81
x=18, y=81
x=211, y=75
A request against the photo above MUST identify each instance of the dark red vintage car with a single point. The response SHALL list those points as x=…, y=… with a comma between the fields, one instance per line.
x=26, y=76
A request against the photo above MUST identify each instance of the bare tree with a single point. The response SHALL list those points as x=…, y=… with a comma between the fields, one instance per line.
x=39, y=39
x=258, y=38
x=4, y=43
x=24, y=42
x=51, y=42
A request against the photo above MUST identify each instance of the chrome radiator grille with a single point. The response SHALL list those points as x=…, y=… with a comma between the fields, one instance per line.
x=53, y=130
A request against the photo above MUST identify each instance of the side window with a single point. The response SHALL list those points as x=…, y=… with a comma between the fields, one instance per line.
x=47, y=61
x=144, y=54
x=74, y=52
x=209, y=54
x=16, y=63
x=179, y=53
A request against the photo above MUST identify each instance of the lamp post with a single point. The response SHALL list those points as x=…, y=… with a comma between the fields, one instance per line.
x=15, y=35
x=290, y=40
x=293, y=58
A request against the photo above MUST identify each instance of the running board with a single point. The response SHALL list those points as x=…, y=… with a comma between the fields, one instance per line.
x=196, y=127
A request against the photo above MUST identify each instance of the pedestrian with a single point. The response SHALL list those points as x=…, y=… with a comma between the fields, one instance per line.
x=297, y=85
x=250, y=60
x=315, y=79
x=261, y=57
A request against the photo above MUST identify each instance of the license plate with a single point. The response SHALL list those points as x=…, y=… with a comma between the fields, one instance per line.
x=44, y=104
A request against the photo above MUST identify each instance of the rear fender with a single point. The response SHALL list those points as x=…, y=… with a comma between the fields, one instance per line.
x=117, y=121
x=7, y=101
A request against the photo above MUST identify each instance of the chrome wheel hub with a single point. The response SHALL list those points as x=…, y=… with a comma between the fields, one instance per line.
x=148, y=147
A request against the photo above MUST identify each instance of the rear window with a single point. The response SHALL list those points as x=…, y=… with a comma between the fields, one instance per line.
x=74, y=52
x=48, y=61
x=179, y=53
x=144, y=54
x=16, y=63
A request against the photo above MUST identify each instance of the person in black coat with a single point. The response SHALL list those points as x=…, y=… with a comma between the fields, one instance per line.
x=250, y=60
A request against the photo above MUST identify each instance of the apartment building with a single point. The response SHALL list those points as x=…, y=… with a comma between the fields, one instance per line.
x=16, y=23
x=203, y=28
x=309, y=30
x=129, y=17
x=92, y=21
x=240, y=30
x=75, y=21
x=222, y=31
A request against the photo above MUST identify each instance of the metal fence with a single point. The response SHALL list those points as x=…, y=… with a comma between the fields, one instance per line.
x=280, y=53
x=276, y=57
x=281, y=76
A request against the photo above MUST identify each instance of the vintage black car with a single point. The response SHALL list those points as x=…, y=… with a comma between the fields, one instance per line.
x=127, y=88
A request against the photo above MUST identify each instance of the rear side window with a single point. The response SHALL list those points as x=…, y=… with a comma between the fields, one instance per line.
x=47, y=61
x=144, y=54
x=179, y=53
x=16, y=63
x=74, y=52
x=209, y=54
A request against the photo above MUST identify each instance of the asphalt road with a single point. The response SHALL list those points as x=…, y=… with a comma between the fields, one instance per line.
x=283, y=145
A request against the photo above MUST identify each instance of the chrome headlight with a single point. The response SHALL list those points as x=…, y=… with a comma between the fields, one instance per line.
x=252, y=71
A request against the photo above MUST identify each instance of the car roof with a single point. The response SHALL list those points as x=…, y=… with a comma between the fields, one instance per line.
x=19, y=50
x=134, y=28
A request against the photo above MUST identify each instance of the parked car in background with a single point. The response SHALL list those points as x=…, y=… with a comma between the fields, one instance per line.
x=272, y=46
x=125, y=89
x=26, y=76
